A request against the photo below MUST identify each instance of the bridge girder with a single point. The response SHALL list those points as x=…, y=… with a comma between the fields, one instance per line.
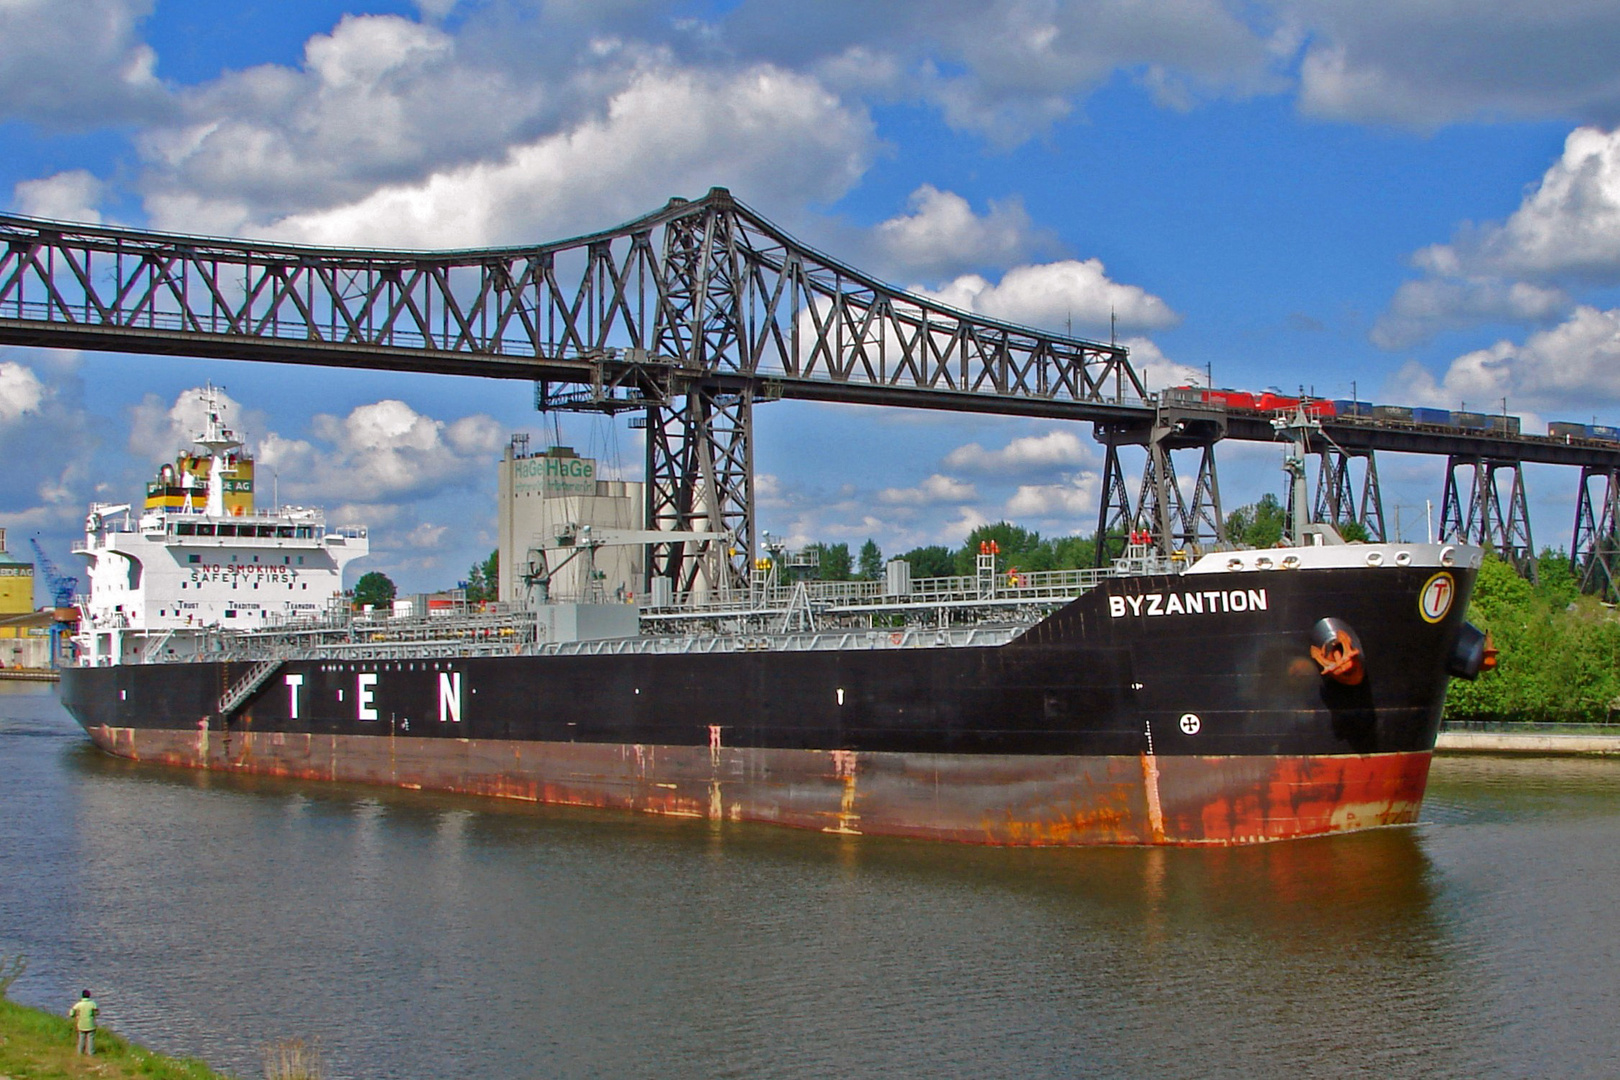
x=1595, y=546
x=690, y=313
x=1486, y=521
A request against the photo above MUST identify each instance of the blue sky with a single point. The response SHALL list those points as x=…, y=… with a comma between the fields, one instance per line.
x=1420, y=198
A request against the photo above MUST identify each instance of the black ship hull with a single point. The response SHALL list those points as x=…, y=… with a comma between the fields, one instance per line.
x=1162, y=709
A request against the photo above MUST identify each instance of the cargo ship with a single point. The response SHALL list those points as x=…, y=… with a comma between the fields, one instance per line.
x=1232, y=697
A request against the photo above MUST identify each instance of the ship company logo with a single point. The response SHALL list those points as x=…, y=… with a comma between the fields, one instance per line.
x=1435, y=599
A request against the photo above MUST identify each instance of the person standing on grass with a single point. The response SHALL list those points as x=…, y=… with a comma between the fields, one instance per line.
x=84, y=1017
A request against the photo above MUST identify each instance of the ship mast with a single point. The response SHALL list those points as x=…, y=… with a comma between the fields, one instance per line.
x=1297, y=428
x=219, y=439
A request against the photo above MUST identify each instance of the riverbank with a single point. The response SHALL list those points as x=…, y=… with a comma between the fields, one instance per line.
x=15, y=674
x=1548, y=744
x=37, y=1044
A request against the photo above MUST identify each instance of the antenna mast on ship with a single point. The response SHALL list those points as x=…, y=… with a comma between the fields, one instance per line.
x=219, y=440
x=1297, y=428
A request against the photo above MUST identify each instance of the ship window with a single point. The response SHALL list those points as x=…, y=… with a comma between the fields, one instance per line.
x=230, y=613
x=300, y=560
x=205, y=530
x=187, y=529
x=255, y=558
x=286, y=558
x=193, y=558
x=284, y=530
x=306, y=584
x=182, y=584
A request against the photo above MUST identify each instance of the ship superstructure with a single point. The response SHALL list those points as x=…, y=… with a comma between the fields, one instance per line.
x=199, y=558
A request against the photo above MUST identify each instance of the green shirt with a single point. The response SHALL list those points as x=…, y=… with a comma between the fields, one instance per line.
x=84, y=1011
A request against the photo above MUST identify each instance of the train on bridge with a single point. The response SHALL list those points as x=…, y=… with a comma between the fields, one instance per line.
x=1271, y=401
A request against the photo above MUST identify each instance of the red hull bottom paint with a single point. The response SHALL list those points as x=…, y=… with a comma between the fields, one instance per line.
x=984, y=799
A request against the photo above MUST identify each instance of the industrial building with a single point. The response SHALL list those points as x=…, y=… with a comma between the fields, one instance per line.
x=550, y=496
x=24, y=633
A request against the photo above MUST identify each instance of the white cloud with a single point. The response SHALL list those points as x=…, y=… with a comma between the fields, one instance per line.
x=1565, y=232
x=1055, y=294
x=941, y=234
x=48, y=440
x=426, y=535
x=956, y=531
x=1068, y=501
x=21, y=392
x=1568, y=224
x=1423, y=308
x=381, y=99
x=65, y=196
x=1574, y=367
x=1427, y=64
x=769, y=492
x=935, y=489
x=436, y=10
x=1158, y=370
x=76, y=65
x=389, y=450
x=159, y=429
x=1007, y=69
x=1032, y=452
x=669, y=130
x=379, y=454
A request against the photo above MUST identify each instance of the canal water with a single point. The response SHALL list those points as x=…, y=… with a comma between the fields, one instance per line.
x=418, y=936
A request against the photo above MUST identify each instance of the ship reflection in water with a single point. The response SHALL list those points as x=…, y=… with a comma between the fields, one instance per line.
x=427, y=936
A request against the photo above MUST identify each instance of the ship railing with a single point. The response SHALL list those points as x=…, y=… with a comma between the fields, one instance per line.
x=445, y=649
x=1033, y=586
x=494, y=633
x=983, y=636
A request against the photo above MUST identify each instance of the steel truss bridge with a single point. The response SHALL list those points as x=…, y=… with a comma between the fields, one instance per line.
x=693, y=314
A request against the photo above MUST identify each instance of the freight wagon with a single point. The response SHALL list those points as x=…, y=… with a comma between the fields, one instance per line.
x=1570, y=432
x=1347, y=409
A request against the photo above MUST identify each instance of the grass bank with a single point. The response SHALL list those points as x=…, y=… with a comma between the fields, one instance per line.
x=35, y=1045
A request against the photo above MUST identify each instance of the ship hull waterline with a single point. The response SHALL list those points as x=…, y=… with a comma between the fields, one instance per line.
x=986, y=799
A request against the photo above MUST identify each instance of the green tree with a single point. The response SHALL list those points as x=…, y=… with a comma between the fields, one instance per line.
x=1073, y=552
x=1019, y=547
x=1354, y=531
x=484, y=579
x=870, y=561
x=935, y=560
x=374, y=588
x=1258, y=525
x=1559, y=652
x=835, y=562
x=1555, y=578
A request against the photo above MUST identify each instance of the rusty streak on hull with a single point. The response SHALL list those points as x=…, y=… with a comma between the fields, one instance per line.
x=980, y=798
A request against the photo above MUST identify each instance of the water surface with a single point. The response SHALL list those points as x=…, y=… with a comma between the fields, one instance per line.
x=420, y=936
